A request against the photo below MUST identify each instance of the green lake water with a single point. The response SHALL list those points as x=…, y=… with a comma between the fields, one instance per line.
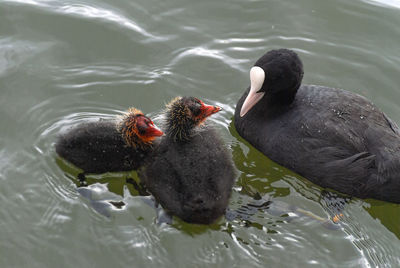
x=65, y=62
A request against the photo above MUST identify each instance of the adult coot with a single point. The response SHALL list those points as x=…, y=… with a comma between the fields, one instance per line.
x=335, y=138
x=190, y=173
x=109, y=145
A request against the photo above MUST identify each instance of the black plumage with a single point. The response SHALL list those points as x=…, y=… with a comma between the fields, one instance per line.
x=334, y=138
x=109, y=145
x=190, y=173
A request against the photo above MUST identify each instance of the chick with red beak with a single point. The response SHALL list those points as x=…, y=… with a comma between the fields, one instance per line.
x=109, y=145
x=190, y=173
x=137, y=129
x=184, y=114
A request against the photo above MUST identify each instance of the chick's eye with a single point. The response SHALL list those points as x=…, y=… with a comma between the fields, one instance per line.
x=196, y=108
x=142, y=129
x=142, y=125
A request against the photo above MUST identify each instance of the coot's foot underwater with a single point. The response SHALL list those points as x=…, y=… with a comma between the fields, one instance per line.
x=190, y=173
x=109, y=145
x=334, y=138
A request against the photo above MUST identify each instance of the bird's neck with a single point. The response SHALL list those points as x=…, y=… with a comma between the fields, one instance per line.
x=179, y=131
x=178, y=126
x=280, y=98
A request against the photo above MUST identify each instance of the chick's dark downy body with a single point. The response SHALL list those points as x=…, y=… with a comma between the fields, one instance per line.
x=109, y=145
x=190, y=173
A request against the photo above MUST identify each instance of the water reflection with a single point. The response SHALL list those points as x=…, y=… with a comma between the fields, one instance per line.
x=104, y=191
x=385, y=3
x=387, y=214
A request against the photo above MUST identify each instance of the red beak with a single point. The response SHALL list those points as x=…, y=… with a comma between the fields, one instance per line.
x=207, y=110
x=153, y=131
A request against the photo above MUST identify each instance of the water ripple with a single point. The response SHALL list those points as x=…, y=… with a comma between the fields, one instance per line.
x=385, y=3
x=210, y=53
x=92, y=12
x=239, y=40
x=107, y=15
x=107, y=74
x=378, y=250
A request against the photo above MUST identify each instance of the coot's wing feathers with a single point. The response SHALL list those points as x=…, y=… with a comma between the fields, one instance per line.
x=392, y=125
x=351, y=142
x=338, y=166
x=387, y=157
